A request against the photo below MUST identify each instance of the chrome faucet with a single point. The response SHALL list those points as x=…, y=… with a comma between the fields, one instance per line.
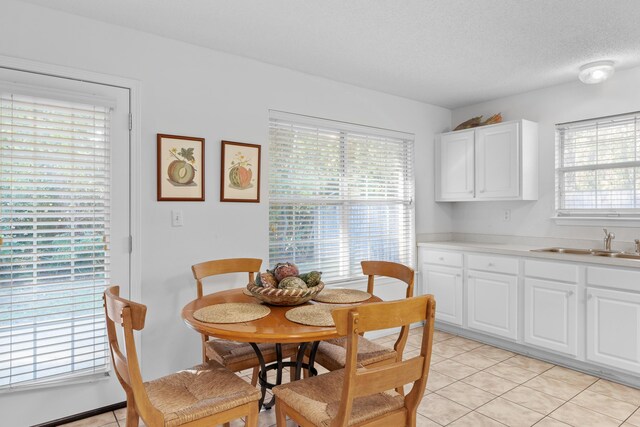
x=637, y=241
x=608, y=237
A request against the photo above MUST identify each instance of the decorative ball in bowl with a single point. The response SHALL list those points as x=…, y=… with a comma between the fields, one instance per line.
x=277, y=296
x=284, y=285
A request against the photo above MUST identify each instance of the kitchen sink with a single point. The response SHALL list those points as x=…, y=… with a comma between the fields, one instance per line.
x=572, y=251
x=628, y=256
x=593, y=252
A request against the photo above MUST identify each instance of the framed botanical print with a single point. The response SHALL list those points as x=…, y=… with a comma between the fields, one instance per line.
x=240, y=172
x=180, y=168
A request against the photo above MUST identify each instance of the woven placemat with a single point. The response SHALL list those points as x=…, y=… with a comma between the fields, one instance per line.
x=231, y=312
x=342, y=296
x=311, y=315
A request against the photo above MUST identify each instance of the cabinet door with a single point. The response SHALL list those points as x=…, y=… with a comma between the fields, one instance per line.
x=492, y=303
x=550, y=315
x=456, y=166
x=613, y=328
x=497, y=161
x=445, y=284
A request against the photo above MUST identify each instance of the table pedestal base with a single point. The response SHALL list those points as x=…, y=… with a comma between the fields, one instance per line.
x=278, y=366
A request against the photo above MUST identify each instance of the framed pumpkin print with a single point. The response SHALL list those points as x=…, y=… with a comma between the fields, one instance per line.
x=180, y=168
x=240, y=172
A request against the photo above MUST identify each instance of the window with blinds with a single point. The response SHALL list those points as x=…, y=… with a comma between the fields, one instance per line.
x=339, y=194
x=54, y=264
x=598, y=167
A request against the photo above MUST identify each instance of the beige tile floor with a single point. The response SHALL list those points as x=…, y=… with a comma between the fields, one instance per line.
x=477, y=385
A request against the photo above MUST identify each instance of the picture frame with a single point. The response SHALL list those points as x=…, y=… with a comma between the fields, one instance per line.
x=180, y=168
x=240, y=172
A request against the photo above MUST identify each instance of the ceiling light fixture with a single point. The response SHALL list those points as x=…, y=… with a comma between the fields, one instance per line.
x=596, y=72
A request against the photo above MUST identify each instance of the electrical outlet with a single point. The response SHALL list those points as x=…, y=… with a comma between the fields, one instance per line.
x=177, y=219
x=506, y=215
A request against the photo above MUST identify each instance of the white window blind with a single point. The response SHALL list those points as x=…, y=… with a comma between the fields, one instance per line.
x=598, y=167
x=54, y=263
x=339, y=194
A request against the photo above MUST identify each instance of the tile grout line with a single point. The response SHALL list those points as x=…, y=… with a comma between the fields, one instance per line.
x=500, y=395
x=522, y=384
x=460, y=380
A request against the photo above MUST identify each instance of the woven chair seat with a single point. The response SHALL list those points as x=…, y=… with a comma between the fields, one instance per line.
x=318, y=399
x=332, y=353
x=228, y=352
x=198, y=392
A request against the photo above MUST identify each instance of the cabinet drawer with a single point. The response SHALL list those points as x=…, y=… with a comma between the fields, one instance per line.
x=495, y=264
x=443, y=258
x=551, y=270
x=613, y=278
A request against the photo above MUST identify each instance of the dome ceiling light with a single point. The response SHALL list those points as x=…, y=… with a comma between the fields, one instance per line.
x=596, y=72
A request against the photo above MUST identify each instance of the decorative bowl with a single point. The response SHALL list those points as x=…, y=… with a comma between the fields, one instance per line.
x=275, y=296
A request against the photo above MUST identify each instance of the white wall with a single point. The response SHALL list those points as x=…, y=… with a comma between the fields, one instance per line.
x=558, y=104
x=188, y=90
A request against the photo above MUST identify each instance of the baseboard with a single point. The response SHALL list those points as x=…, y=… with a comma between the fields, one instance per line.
x=83, y=415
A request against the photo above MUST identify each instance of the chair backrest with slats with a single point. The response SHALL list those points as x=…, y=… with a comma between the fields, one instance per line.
x=395, y=271
x=130, y=316
x=352, y=321
x=225, y=266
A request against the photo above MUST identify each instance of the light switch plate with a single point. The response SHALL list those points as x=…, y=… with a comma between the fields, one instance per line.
x=177, y=220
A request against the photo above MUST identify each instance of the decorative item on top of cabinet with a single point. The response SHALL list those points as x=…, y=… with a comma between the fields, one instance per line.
x=477, y=121
x=494, y=162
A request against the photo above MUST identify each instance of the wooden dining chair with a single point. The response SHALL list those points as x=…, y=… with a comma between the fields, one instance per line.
x=359, y=396
x=233, y=355
x=332, y=353
x=207, y=394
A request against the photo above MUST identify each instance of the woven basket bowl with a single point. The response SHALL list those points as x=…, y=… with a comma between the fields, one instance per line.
x=275, y=296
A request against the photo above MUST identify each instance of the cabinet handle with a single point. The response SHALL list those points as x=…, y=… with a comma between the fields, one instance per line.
x=482, y=191
x=570, y=293
x=441, y=258
x=490, y=264
x=470, y=191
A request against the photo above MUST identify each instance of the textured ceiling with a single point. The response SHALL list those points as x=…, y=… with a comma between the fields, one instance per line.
x=445, y=52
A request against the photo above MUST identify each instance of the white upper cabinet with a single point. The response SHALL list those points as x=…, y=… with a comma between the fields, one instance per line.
x=495, y=162
x=456, y=166
x=497, y=159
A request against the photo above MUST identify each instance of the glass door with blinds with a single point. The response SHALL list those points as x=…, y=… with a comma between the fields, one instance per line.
x=339, y=194
x=64, y=150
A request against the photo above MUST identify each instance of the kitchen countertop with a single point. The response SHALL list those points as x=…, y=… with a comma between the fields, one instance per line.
x=525, y=251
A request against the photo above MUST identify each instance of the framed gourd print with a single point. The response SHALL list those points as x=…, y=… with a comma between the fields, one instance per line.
x=180, y=168
x=240, y=172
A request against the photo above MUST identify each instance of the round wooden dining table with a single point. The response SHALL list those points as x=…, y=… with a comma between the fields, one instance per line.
x=274, y=328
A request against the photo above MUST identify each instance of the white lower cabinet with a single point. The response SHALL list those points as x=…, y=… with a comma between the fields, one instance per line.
x=481, y=292
x=613, y=328
x=492, y=303
x=551, y=315
x=445, y=283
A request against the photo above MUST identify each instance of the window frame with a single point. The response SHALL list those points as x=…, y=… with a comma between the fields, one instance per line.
x=345, y=131
x=625, y=217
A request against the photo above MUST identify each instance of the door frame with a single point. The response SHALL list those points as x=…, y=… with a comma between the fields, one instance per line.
x=133, y=86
